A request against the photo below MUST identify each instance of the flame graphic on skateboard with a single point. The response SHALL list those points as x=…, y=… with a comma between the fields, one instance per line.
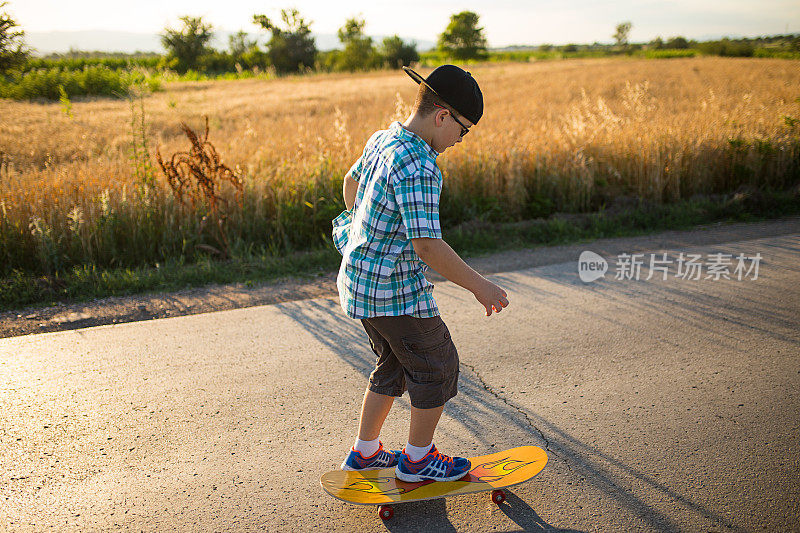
x=495, y=470
x=501, y=469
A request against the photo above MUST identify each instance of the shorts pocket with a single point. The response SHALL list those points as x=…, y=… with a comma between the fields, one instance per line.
x=428, y=354
x=430, y=341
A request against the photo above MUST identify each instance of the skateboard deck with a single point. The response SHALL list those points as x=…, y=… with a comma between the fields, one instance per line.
x=489, y=472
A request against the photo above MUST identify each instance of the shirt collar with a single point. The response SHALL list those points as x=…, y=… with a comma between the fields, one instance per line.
x=397, y=128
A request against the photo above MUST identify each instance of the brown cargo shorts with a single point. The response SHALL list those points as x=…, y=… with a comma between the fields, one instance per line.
x=414, y=354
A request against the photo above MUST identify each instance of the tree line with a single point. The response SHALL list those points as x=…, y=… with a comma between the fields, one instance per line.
x=291, y=48
x=741, y=47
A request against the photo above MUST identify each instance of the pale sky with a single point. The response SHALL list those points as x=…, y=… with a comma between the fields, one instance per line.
x=505, y=22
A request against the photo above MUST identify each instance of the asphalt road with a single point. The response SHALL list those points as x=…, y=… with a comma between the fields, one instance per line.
x=664, y=405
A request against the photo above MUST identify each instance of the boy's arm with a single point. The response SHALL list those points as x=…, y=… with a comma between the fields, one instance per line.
x=438, y=255
x=349, y=189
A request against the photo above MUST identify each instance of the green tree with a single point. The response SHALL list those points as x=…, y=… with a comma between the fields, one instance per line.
x=189, y=43
x=397, y=54
x=463, y=39
x=12, y=47
x=239, y=44
x=657, y=43
x=291, y=48
x=677, y=42
x=358, y=53
x=622, y=33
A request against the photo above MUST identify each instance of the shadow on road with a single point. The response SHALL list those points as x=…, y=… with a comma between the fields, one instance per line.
x=428, y=515
x=431, y=515
x=525, y=517
x=477, y=407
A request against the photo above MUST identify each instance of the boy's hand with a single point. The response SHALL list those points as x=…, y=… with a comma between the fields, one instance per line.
x=491, y=297
x=438, y=255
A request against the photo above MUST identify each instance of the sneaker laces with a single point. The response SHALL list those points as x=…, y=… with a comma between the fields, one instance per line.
x=442, y=457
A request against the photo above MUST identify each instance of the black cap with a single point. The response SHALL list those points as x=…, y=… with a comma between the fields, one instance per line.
x=456, y=87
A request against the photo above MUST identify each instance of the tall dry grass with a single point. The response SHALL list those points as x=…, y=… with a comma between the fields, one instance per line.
x=563, y=136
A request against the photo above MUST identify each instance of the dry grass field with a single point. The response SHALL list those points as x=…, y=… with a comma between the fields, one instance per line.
x=566, y=135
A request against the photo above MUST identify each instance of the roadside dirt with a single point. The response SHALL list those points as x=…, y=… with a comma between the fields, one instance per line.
x=221, y=297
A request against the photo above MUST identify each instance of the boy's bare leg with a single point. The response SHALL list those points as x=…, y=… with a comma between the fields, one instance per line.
x=373, y=413
x=423, y=424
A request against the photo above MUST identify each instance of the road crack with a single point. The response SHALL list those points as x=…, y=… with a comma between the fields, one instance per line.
x=520, y=410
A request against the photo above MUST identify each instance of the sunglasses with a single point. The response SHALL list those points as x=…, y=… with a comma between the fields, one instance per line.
x=464, y=129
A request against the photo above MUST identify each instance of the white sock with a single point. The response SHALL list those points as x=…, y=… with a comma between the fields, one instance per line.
x=415, y=453
x=367, y=447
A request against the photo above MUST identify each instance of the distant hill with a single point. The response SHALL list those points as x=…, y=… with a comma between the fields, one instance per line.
x=116, y=41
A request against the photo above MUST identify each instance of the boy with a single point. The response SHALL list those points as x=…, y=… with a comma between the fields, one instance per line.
x=388, y=237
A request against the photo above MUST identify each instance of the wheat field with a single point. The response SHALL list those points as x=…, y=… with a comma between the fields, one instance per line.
x=562, y=135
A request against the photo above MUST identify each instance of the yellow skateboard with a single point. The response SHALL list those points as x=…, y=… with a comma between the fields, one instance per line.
x=489, y=472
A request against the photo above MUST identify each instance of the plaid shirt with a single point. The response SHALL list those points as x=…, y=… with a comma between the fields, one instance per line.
x=397, y=200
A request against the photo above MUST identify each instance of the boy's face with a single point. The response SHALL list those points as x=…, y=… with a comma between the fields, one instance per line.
x=447, y=131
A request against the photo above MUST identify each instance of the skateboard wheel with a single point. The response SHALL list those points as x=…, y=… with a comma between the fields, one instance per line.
x=385, y=512
x=498, y=496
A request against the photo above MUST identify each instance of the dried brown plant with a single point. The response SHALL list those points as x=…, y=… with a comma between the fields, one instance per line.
x=199, y=174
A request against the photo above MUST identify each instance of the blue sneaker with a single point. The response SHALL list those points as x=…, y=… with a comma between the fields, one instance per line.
x=376, y=461
x=435, y=466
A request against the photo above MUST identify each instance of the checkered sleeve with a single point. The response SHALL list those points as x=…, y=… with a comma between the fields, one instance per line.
x=417, y=197
x=355, y=170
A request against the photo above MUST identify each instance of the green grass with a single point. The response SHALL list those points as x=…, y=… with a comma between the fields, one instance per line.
x=435, y=58
x=776, y=53
x=667, y=54
x=53, y=83
x=123, y=62
x=468, y=239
